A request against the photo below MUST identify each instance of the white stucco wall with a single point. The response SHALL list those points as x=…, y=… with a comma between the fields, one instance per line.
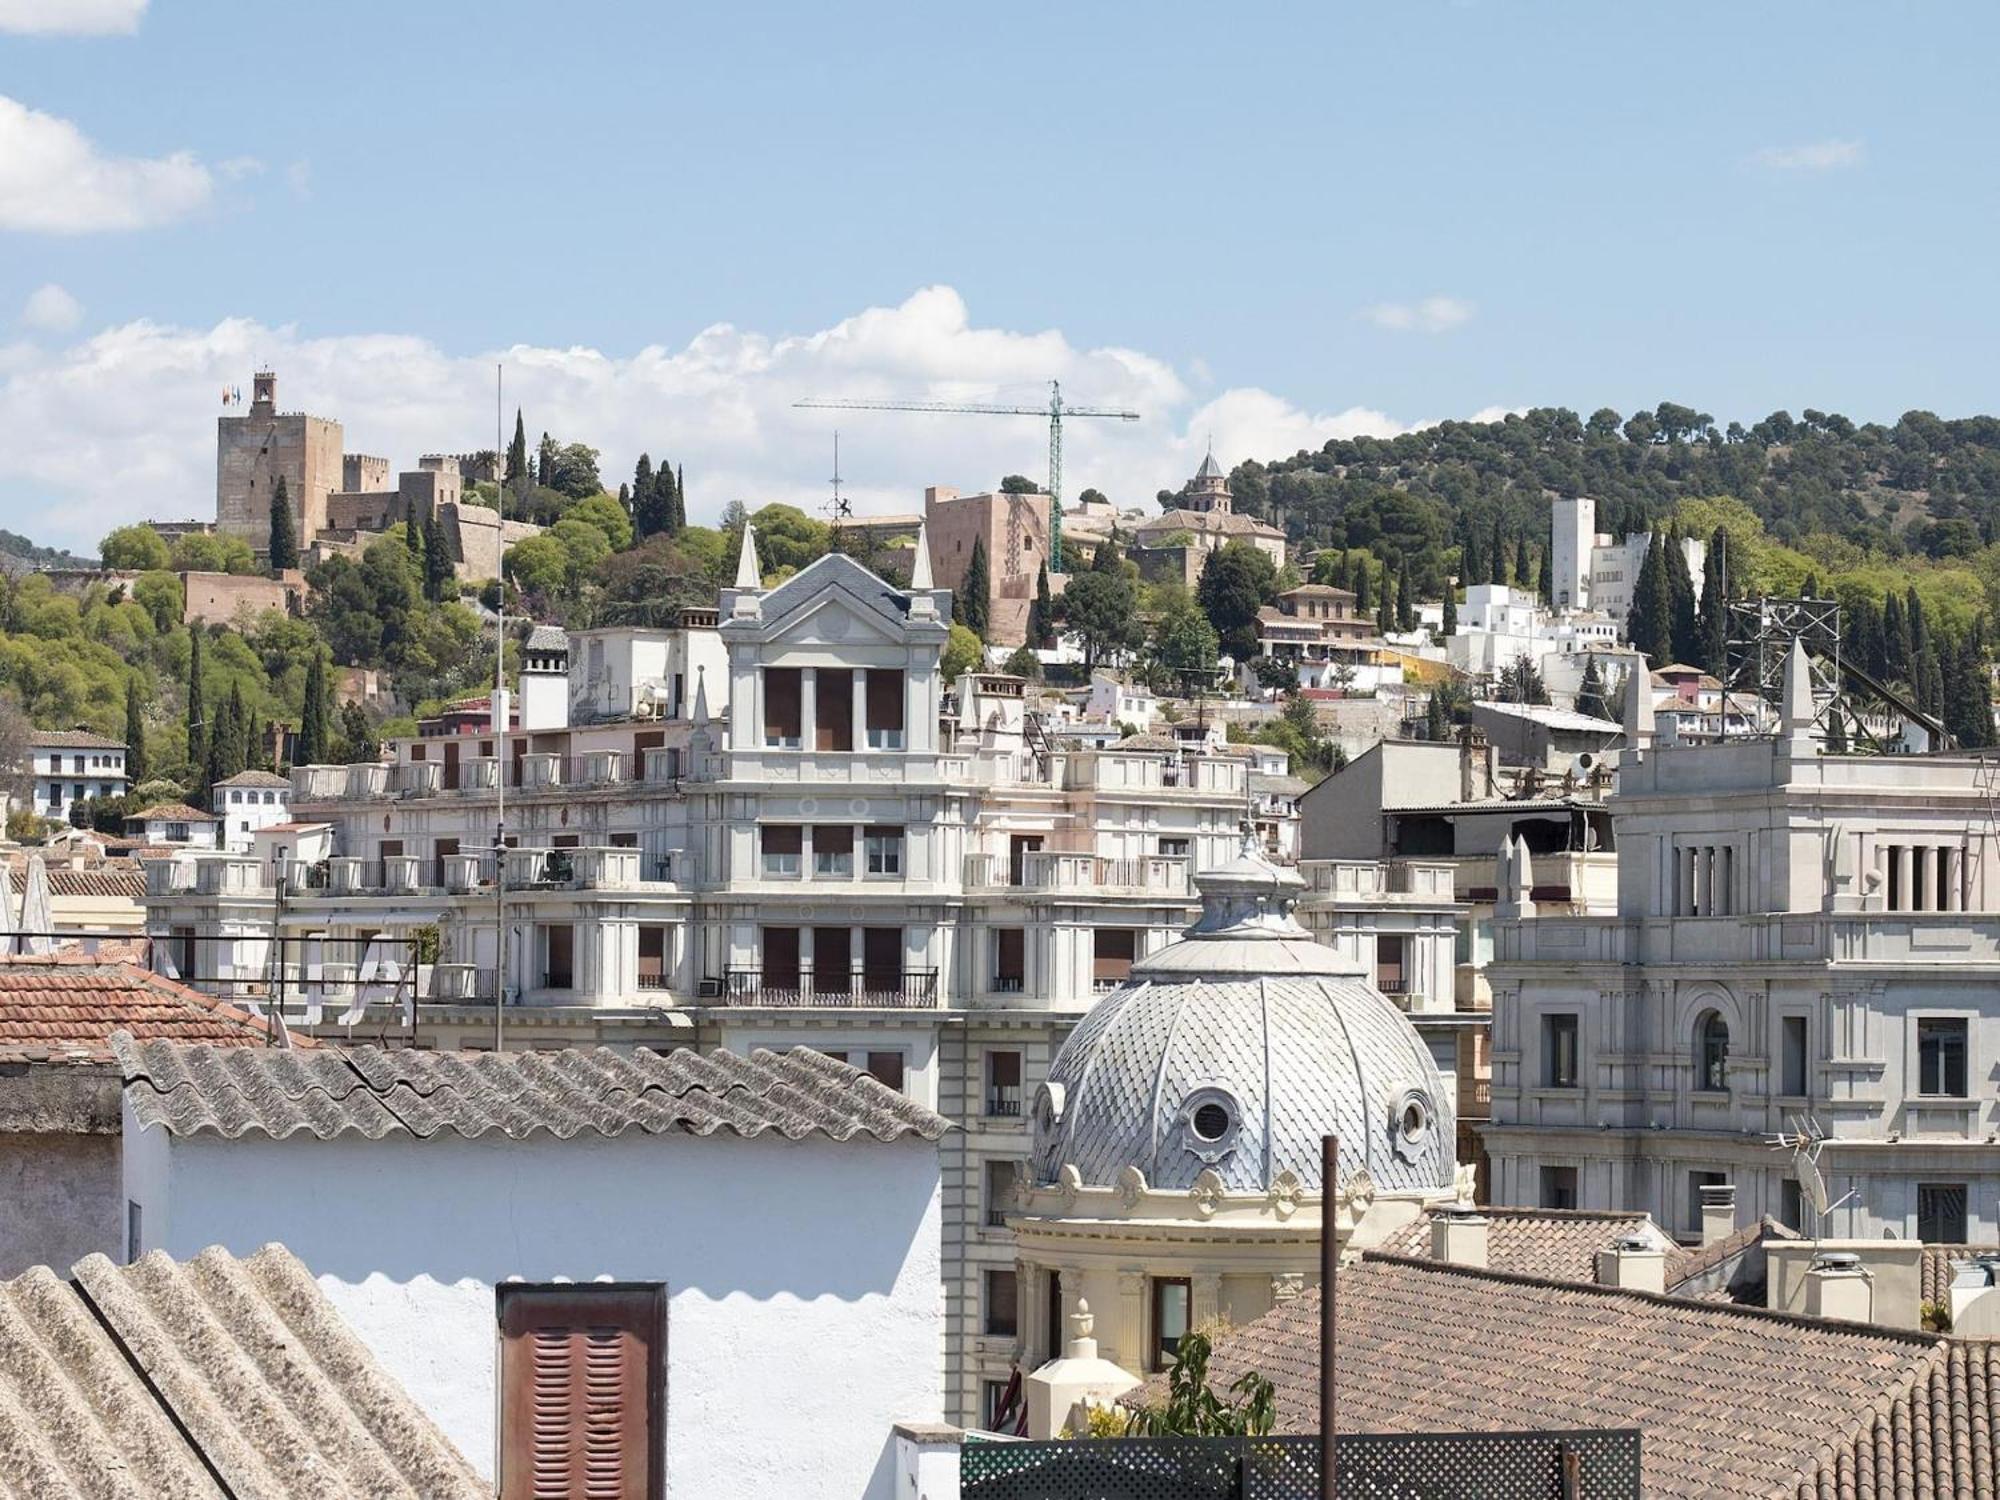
x=805, y=1311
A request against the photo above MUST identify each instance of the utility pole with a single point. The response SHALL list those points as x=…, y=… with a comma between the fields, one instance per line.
x=1329, y=1269
x=497, y=712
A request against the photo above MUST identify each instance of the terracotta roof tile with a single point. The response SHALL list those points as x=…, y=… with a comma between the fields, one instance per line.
x=1937, y=1268
x=1732, y=1400
x=66, y=1007
x=1560, y=1244
x=172, y=812
x=257, y=778
x=73, y=739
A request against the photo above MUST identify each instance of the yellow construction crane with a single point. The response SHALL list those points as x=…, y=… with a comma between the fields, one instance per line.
x=1055, y=411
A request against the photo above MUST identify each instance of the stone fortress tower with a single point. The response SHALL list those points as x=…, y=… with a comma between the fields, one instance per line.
x=257, y=449
x=1176, y=1145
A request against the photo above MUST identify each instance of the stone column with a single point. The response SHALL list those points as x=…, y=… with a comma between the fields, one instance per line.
x=808, y=706
x=1900, y=853
x=1205, y=1288
x=1129, y=1335
x=861, y=708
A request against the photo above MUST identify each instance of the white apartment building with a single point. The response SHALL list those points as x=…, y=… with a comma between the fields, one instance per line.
x=1797, y=935
x=1615, y=565
x=810, y=842
x=249, y=802
x=1499, y=624
x=72, y=765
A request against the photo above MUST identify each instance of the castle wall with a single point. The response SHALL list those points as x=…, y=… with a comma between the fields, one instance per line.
x=364, y=471
x=215, y=598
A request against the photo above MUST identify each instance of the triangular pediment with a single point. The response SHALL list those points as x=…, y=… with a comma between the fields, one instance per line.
x=836, y=601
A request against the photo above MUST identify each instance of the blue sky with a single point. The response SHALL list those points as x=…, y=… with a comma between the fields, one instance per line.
x=1289, y=216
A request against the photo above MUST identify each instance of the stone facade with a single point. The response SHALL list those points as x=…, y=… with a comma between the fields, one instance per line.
x=254, y=451
x=217, y=598
x=1015, y=529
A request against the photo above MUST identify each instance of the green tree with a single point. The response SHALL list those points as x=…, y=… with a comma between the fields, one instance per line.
x=963, y=653
x=1686, y=631
x=1019, y=484
x=358, y=744
x=1406, y=598
x=1187, y=646
x=1712, y=616
x=1435, y=725
x=134, y=549
x=284, y=534
x=1524, y=564
x=1545, y=582
x=1450, y=625
x=211, y=552
x=1192, y=1409
x=1042, y=613
x=1100, y=609
x=137, y=764
x=1385, y=607
x=1836, y=731
x=788, y=539
x=971, y=601
x=1590, y=696
x=1496, y=556
x=440, y=571
x=1106, y=558
x=1650, y=625
x=517, y=454
x=1898, y=657
x=1024, y=663
x=680, y=512
x=1521, y=682
x=197, y=738
x=315, y=742
x=1236, y=581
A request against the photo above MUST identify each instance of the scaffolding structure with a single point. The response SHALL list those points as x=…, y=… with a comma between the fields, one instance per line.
x=1758, y=644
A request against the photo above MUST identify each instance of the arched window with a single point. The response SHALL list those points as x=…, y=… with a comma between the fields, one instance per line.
x=1711, y=1052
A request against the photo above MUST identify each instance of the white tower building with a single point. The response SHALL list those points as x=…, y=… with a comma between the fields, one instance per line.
x=1572, y=531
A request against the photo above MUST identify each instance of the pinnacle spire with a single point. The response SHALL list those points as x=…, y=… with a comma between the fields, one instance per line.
x=746, y=564
x=920, y=566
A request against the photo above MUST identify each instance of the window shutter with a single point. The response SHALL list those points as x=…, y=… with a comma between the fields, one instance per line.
x=580, y=1371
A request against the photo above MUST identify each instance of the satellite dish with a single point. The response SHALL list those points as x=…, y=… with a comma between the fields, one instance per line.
x=1811, y=1183
x=1586, y=761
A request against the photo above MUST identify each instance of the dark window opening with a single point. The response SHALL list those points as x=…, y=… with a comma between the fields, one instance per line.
x=1941, y=1050
x=1559, y=1051
x=782, y=707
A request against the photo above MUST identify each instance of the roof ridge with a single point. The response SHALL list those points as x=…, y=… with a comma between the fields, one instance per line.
x=1916, y=1337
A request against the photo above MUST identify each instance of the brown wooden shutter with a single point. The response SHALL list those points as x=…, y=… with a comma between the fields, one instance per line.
x=580, y=1376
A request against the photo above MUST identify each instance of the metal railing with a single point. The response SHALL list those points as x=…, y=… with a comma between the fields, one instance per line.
x=1593, y=1464
x=1008, y=984
x=1004, y=1103
x=842, y=987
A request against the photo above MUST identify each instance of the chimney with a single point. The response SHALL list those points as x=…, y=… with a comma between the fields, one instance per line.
x=1718, y=1211
x=1634, y=1262
x=1458, y=1235
x=1837, y=1287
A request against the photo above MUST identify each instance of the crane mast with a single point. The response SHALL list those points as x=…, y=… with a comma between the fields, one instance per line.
x=1055, y=411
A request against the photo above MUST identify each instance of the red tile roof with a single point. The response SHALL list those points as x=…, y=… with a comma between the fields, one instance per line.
x=73, y=739
x=1561, y=1244
x=64, y=1008
x=172, y=812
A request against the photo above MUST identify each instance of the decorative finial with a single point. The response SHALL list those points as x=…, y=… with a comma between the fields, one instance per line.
x=700, y=694
x=1081, y=1323
x=920, y=566
x=747, y=576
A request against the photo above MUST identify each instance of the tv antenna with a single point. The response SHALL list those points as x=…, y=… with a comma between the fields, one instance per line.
x=839, y=509
x=1806, y=1140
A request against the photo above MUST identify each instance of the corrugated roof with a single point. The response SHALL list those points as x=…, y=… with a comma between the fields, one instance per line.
x=189, y=1090
x=66, y=1008
x=213, y=1379
x=1733, y=1401
x=1554, y=718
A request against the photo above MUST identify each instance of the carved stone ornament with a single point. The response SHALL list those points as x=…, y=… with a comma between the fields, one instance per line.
x=1287, y=1285
x=1131, y=1186
x=1352, y=1202
x=1207, y=1193
x=1466, y=1180
x=1069, y=1182
x=1285, y=1191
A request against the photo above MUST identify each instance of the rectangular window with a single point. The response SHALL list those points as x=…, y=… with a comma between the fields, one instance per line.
x=885, y=709
x=581, y=1391
x=1941, y=1213
x=833, y=850
x=886, y=1068
x=652, y=956
x=1791, y=1203
x=782, y=707
x=1392, y=975
x=1173, y=848
x=1003, y=1083
x=558, y=956
x=134, y=1238
x=1173, y=1311
x=1558, y=1187
x=783, y=846
x=1000, y=1314
x=1792, y=1075
x=833, y=709
x=999, y=1193
x=884, y=850
x=1010, y=960
x=1941, y=1057
x=993, y=1402
x=1112, y=952
x=1559, y=1051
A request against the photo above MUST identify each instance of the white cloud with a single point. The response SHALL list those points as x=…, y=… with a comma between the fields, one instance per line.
x=236, y=168
x=52, y=308
x=120, y=426
x=298, y=177
x=54, y=180
x=1431, y=315
x=1819, y=156
x=71, y=17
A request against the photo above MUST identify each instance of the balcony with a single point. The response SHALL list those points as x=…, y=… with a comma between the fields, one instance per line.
x=1163, y=876
x=1004, y=1103
x=1376, y=881
x=204, y=875
x=840, y=989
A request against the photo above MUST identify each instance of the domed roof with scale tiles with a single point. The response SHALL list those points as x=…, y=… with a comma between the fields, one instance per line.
x=1237, y=1048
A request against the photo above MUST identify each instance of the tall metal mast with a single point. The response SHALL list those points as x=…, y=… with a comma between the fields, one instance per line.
x=497, y=713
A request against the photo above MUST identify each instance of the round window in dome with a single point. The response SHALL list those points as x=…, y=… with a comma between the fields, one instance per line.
x=1412, y=1122
x=1415, y=1121
x=1211, y=1121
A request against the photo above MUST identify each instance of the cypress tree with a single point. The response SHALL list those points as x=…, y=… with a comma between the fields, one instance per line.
x=1545, y=578
x=1104, y=560
x=439, y=572
x=197, y=741
x=1471, y=566
x=1680, y=583
x=1434, y=723
x=1362, y=592
x=1650, y=626
x=1041, y=613
x=1450, y=627
x=1590, y=695
x=545, y=461
x=284, y=537
x=414, y=543
x=1524, y=564
x=976, y=586
x=1712, y=618
x=1913, y=611
x=517, y=452
x=136, y=767
x=1496, y=559
x=253, y=743
x=1385, y=611
x=649, y=498
x=1406, y=598
x=680, y=498
x=1898, y=660
x=315, y=727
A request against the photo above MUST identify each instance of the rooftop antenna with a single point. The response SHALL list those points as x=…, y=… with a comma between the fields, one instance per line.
x=497, y=717
x=1806, y=1140
x=838, y=507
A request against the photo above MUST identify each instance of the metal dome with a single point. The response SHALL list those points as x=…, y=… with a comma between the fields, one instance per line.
x=1236, y=1049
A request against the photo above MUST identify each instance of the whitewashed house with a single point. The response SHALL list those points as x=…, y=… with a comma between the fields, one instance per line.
x=176, y=823
x=69, y=766
x=736, y=1256
x=250, y=801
